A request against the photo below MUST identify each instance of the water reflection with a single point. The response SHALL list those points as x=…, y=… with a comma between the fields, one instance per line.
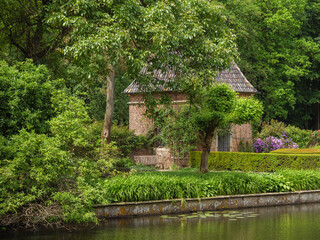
x=285, y=222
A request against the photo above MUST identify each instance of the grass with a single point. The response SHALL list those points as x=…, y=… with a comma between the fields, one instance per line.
x=148, y=186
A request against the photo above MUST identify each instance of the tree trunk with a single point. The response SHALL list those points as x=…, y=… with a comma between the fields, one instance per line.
x=204, y=160
x=107, y=124
x=205, y=148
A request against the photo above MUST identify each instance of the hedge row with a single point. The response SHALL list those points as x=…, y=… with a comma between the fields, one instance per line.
x=297, y=151
x=256, y=162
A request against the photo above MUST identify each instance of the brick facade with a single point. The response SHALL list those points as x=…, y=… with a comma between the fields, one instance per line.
x=137, y=119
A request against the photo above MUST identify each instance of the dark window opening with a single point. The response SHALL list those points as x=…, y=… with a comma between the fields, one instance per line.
x=224, y=142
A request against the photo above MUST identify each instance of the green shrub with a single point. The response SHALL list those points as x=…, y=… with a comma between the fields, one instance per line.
x=300, y=136
x=257, y=162
x=124, y=163
x=297, y=151
x=315, y=138
x=25, y=92
x=272, y=128
x=126, y=140
x=46, y=179
x=143, y=168
x=71, y=125
x=40, y=180
x=32, y=170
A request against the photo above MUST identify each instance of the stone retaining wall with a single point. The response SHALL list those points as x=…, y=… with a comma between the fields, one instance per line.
x=204, y=204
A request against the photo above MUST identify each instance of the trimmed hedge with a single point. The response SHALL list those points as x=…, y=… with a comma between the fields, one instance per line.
x=297, y=151
x=256, y=162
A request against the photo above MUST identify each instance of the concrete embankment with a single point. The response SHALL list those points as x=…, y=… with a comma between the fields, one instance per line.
x=118, y=210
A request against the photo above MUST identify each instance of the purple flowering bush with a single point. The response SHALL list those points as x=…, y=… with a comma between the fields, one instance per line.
x=272, y=143
x=274, y=128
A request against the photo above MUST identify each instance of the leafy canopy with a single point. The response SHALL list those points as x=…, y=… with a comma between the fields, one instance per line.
x=187, y=35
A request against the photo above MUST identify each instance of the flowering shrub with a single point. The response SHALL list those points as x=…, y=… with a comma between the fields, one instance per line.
x=275, y=128
x=258, y=145
x=273, y=143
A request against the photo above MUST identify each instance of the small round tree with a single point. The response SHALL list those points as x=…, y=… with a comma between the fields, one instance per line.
x=212, y=108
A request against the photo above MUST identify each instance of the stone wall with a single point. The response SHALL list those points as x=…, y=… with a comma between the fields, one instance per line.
x=162, y=159
x=159, y=207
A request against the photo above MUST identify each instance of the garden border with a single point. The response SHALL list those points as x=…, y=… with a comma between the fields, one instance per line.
x=159, y=207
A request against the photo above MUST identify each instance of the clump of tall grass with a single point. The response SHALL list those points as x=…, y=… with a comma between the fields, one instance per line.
x=172, y=185
x=302, y=180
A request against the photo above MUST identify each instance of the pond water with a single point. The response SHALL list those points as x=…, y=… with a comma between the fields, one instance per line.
x=284, y=222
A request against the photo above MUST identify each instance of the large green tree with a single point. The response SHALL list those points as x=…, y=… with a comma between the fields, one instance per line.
x=107, y=37
x=279, y=54
x=25, y=31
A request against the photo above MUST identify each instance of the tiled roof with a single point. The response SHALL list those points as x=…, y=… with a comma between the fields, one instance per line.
x=233, y=76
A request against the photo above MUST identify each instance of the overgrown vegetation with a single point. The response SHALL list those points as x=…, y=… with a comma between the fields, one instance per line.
x=45, y=171
x=125, y=139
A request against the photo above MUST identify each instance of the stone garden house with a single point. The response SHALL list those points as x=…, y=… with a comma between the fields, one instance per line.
x=141, y=124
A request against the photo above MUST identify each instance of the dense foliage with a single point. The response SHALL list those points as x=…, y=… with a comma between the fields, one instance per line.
x=37, y=169
x=25, y=97
x=124, y=139
x=257, y=162
x=278, y=43
x=44, y=171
